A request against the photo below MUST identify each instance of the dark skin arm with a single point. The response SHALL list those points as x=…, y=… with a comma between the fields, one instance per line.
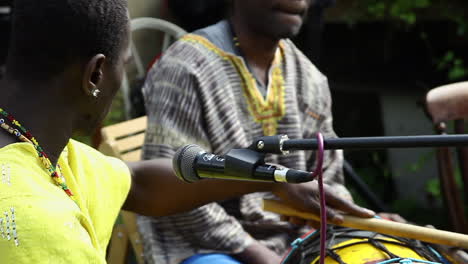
x=258, y=254
x=156, y=191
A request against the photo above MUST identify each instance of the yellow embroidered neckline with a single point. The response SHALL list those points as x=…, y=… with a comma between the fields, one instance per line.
x=266, y=111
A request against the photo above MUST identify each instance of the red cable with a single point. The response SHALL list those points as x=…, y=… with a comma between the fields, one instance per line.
x=323, y=209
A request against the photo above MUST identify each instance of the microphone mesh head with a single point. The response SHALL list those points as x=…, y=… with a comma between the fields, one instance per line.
x=184, y=162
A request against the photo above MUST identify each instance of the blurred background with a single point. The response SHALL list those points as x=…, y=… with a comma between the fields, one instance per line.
x=381, y=57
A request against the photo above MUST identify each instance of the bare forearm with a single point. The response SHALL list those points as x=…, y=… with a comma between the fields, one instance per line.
x=258, y=254
x=156, y=191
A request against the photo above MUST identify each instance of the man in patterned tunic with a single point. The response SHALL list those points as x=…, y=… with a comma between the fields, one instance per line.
x=221, y=87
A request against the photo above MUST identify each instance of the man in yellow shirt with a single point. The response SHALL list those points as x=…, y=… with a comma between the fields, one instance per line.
x=59, y=198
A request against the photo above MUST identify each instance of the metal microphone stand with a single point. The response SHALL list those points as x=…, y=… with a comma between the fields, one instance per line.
x=281, y=144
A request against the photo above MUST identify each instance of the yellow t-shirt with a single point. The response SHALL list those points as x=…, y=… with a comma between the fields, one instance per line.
x=49, y=226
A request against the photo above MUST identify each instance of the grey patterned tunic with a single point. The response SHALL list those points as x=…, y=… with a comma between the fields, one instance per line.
x=199, y=93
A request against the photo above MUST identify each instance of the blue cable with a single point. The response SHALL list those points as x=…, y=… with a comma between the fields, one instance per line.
x=296, y=243
x=407, y=261
x=440, y=256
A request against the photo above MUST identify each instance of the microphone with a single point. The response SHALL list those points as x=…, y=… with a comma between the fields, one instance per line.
x=191, y=163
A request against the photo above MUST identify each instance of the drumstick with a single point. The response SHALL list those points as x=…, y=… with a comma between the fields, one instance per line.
x=379, y=225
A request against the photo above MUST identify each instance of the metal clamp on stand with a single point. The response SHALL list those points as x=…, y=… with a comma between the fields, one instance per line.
x=270, y=144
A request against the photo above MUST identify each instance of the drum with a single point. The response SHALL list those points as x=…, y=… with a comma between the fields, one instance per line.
x=351, y=246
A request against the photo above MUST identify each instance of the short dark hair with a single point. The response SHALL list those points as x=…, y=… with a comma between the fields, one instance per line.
x=49, y=35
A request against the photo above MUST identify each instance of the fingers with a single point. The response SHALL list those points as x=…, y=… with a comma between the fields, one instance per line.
x=294, y=220
x=393, y=217
x=313, y=206
x=347, y=206
x=313, y=224
x=334, y=216
x=301, y=222
x=305, y=197
x=297, y=221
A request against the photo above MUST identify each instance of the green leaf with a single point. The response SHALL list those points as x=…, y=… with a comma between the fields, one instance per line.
x=433, y=187
x=457, y=73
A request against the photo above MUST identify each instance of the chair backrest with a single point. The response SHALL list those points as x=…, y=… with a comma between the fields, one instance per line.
x=443, y=104
x=125, y=140
x=170, y=33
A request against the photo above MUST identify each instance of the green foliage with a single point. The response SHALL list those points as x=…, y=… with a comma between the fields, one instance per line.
x=408, y=13
x=377, y=9
x=406, y=10
x=422, y=161
x=433, y=185
x=398, y=10
x=454, y=65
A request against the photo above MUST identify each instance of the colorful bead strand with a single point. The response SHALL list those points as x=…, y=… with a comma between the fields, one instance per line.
x=25, y=136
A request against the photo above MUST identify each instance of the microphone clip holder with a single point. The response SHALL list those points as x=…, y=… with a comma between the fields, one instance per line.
x=270, y=144
x=241, y=162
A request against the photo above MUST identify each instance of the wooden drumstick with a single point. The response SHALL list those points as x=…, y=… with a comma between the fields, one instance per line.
x=379, y=225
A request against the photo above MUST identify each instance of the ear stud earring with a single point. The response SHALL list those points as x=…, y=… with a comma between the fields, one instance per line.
x=95, y=92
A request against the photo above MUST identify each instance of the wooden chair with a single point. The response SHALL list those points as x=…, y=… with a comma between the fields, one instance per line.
x=124, y=141
x=450, y=103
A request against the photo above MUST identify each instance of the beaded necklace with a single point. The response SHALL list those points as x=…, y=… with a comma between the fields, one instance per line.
x=25, y=136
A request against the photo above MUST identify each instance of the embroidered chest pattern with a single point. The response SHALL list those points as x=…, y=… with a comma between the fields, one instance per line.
x=266, y=111
x=8, y=230
x=5, y=174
